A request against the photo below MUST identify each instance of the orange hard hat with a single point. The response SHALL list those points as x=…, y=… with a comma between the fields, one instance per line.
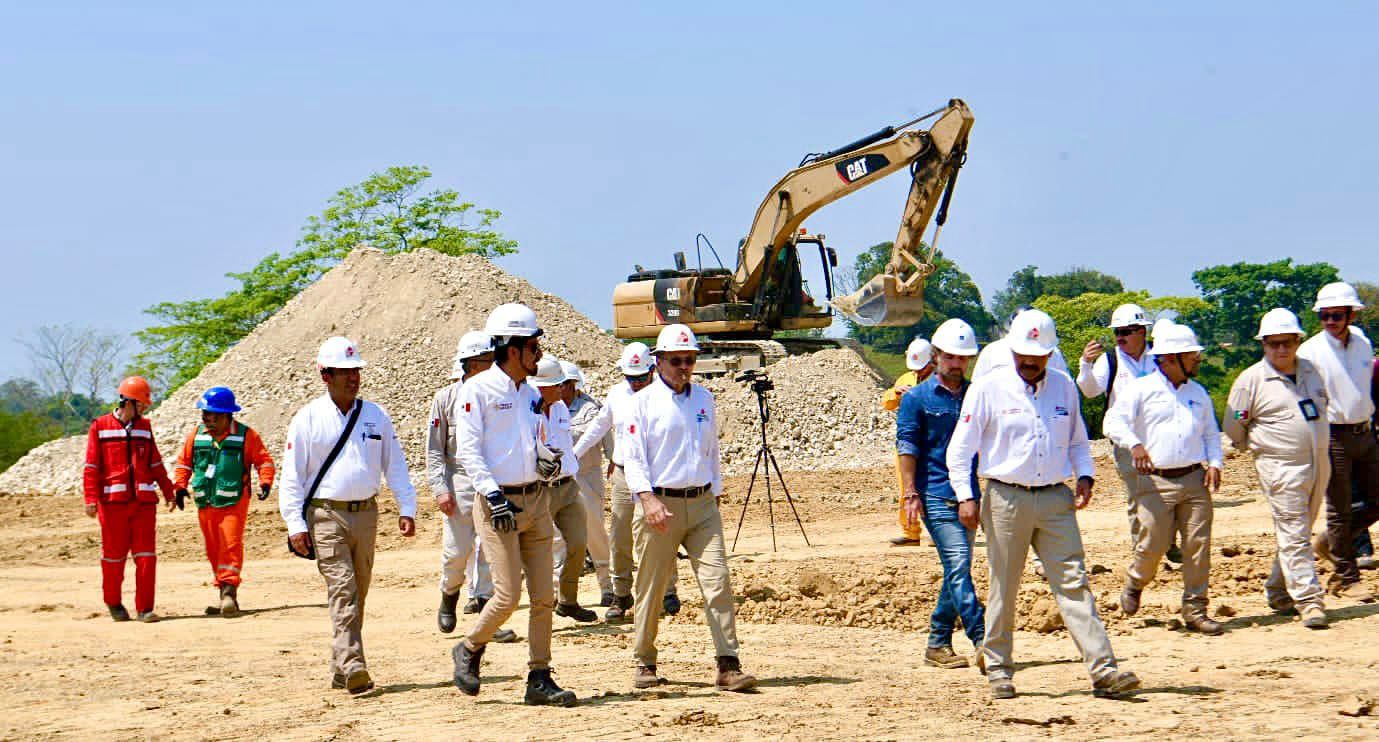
x=137, y=389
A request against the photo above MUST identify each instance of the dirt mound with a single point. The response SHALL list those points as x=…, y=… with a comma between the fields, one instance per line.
x=406, y=312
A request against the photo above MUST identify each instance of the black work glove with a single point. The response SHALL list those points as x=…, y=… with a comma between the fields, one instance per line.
x=263, y=490
x=502, y=512
x=182, y=496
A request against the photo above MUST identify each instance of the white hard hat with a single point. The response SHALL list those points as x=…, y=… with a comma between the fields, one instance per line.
x=473, y=343
x=1032, y=334
x=1279, y=321
x=1129, y=315
x=548, y=372
x=512, y=320
x=636, y=360
x=1338, y=294
x=338, y=352
x=919, y=354
x=676, y=337
x=956, y=337
x=572, y=373
x=1160, y=325
x=1174, y=338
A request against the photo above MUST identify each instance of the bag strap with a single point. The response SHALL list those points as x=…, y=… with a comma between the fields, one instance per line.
x=1112, y=364
x=334, y=454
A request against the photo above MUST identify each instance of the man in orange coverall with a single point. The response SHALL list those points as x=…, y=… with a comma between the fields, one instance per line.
x=120, y=485
x=215, y=462
x=919, y=359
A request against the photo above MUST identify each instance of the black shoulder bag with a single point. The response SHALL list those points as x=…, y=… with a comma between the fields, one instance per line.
x=321, y=474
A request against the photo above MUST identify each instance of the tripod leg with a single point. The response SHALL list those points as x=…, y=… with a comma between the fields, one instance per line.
x=770, y=508
x=788, y=498
x=745, y=502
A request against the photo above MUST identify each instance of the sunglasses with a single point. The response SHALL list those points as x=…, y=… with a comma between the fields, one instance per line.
x=639, y=378
x=1126, y=331
x=1340, y=315
x=684, y=362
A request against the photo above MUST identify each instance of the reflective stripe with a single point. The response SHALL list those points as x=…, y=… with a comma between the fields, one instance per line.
x=233, y=439
x=111, y=489
x=205, y=438
x=110, y=434
x=113, y=561
x=147, y=487
x=229, y=567
x=92, y=466
x=141, y=554
x=232, y=493
x=140, y=433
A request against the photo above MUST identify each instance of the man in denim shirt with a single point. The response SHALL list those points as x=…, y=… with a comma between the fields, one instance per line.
x=928, y=414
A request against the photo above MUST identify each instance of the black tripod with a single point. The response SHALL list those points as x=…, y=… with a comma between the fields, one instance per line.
x=765, y=462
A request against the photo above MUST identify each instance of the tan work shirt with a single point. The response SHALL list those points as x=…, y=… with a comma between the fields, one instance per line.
x=1265, y=413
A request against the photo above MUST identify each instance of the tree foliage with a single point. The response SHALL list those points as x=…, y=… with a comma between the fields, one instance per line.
x=389, y=210
x=1026, y=285
x=949, y=292
x=1368, y=318
x=1239, y=294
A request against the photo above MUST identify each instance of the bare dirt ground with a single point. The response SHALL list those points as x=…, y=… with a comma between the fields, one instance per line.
x=835, y=631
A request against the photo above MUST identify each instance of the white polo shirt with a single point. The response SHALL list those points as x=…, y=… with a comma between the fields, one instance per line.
x=371, y=455
x=1346, y=371
x=614, y=415
x=495, y=430
x=672, y=439
x=1028, y=438
x=1176, y=425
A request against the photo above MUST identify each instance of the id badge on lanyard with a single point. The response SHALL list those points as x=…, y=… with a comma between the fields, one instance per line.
x=1309, y=409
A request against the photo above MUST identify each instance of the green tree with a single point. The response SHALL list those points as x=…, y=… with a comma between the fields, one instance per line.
x=1238, y=295
x=1368, y=319
x=1027, y=285
x=948, y=293
x=388, y=210
x=1085, y=317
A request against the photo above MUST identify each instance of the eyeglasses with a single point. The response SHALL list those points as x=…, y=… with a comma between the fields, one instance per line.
x=1125, y=331
x=685, y=361
x=1281, y=344
x=1340, y=315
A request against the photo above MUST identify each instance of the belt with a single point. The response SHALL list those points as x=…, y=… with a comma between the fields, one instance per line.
x=560, y=482
x=1176, y=472
x=352, y=506
x=529, y=488
x=687, y=492
x=1029, y=487
x=1355, y=428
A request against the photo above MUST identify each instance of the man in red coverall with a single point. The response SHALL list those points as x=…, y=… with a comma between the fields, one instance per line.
x=123, y=475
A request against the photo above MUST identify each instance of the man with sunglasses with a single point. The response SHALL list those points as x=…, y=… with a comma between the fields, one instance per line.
x=1277, y=409
x=1167, y=423
x=496, y=431
x=1345, y=359
x=215, y=463
x=636, y=365
x=673, y=467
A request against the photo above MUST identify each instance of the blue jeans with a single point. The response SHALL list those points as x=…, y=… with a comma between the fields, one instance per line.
x=958, y=597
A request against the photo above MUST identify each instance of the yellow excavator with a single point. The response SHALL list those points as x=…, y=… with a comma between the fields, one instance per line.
x=736, y=310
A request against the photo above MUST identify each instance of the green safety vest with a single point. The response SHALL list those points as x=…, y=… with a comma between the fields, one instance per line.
x=218, y=471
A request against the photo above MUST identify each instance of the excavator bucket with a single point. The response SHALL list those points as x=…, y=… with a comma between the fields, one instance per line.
x=884, y=302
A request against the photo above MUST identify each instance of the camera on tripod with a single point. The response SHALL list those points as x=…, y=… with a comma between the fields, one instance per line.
x=761, y=383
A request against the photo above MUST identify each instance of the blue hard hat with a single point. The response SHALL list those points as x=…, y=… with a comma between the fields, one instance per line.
x=218, y=399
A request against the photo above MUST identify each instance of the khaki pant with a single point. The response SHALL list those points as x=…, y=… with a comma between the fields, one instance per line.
x=695, y=524
x=1166, y=506
x=1130, y=477
x=528, y=549
x=1015, y=519
x=344, y=556
x=567, y=512
x=1294, y=506
x=459, y=543
x=591, y=488
x=622, y=511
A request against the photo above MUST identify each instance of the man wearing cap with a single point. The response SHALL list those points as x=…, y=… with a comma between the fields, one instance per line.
x=1027, y=427
x=454, y=492
x=919, y=362
x=120, y=484
x=1166, y=422
x=583, y=410
x=1106, y=373
x=636, y=365
x=673, y=467
x=1277, y=409
x=1344, y=358
x=924, y=427
x=338, y=521
x=215, y=462
x=567, y=507
x=497, y=418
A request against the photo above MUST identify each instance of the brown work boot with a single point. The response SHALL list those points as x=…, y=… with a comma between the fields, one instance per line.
x=1002, y=689
x=731, y=677
x=229, y=601
x=1130, y=600
x=358, y=682
x=646, y=677
x=337, y=681
x=1354, y=591
x=1322, y=549
x=1280, y=603
x=906, y=541
x=944, y=657
x=1314, y=617
x=1204, y=625
x=118, y=612
x=1116, y=685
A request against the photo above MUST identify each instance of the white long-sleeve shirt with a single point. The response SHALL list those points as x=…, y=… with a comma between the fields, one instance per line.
x=583, y=412
x=1028, y=438
x=997, y=355
x=1176, y=425
x=672, y=439
x=371, y=455
x=495, y=430
x=553, y=429
x=1093, y=378
x=1346, y=371
x=443, y=469
x=613, y=416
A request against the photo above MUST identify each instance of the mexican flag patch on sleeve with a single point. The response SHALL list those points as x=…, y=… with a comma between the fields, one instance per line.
x=1241, y=414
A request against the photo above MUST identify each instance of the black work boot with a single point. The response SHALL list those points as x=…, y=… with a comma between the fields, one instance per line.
x=445, y=615
x=542, y=691
x=467, y=668
x=620, y=610
x=475, y=605
x=606, y=600
x=119, y=612
x=731, y=676
x=670, y=604
x=575, y=611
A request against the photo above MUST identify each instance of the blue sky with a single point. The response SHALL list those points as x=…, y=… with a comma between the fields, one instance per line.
x=148, y=148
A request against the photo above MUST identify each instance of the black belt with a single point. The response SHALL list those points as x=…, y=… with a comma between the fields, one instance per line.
x=560, y=482
x=529, y=488
x=1355, y=428
x=688, y=492
x=352, y=506
x=1174, y=473
x=1029, y=487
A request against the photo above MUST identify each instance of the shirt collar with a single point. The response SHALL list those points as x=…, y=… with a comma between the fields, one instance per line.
x=939, y=388
x=689, y=388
